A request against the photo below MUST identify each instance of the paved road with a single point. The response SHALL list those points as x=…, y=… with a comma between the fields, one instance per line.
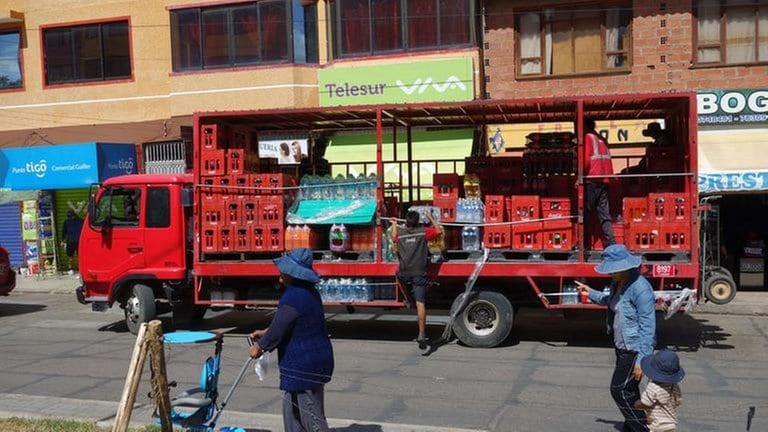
x=61, y=359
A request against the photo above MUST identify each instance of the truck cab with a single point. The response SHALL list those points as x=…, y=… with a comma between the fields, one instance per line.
x=135, y=247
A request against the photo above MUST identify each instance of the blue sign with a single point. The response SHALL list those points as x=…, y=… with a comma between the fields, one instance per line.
x=733, y=181
x=66, y=166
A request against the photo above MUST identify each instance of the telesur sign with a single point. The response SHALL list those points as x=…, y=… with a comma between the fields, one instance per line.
x=732, y=106
x=433, y=81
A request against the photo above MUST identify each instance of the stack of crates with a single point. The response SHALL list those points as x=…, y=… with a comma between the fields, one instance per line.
x=558, y=229
x=241, y=211
x=445, y=195
x=496, y=236
x=525, y=210
x=658, y=222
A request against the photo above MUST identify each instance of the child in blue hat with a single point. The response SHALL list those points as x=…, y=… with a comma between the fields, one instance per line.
x=662, y=395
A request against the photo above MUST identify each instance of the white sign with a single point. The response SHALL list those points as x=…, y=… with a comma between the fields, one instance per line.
x=286, y=151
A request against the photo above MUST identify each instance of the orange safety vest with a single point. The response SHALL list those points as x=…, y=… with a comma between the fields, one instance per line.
x=598, y=158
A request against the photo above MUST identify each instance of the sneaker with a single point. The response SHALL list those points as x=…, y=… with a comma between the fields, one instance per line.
x=422, y=343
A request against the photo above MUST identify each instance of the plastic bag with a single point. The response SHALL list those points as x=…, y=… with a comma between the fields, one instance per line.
x=261, y=366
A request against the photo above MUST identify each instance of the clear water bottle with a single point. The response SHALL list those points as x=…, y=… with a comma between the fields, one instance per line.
x=373, y=183
x=320, y=287
x=331, y=288
x=470, y=238
x=325, y=186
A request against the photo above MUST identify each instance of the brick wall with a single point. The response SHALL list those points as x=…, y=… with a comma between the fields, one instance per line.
x=655, y=67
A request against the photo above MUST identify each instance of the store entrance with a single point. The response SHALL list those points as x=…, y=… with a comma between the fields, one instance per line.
x=744, y=234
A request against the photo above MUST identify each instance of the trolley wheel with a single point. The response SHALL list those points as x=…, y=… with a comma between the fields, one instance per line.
x=139, y=308
x=485, y=321
x=719, y=288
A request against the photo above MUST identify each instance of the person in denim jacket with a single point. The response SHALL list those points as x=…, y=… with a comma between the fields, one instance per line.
x=631, y=320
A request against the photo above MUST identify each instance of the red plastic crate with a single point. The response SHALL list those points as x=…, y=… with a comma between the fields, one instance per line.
x=494, y=208
x=507, y=167
x=635, y=209
x=445, y=186
x=596, y=235
x=240, y=138
x=224, y=191
x=447, y=208
x=233, y=212
x=210, y=240
x=212, y=163
x=250, y=209
x=558, y=235
x=555, y=207
x=271, y=210
x=658, y=206
x=212, y=137
x=527, y=236
x=522, y=207
x=680, y=207
x=242, y=186
x=209, y=193
x=274, y=184
x=212, y=214
x=227, y=239
x=644, y=236
x=242, y=239
x=236, y=161
x=268, y=238
x=676, y=236
x=497, y=236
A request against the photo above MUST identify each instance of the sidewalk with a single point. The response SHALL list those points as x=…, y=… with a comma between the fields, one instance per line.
x=103, y=412
x=745, y=303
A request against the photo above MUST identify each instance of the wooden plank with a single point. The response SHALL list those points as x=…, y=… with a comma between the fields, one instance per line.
x=132, y=379
x=159, y=377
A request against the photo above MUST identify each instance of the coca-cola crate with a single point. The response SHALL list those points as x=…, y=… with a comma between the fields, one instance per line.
x=558, y=235
x=212, y=213
x=596, y=235
x=635, y=209
x=527, y=236
x=494, y=208
x=225, y=190
x=233, y=212
x=445, y=186
x=209, y=192
x=447, y=207
x=659, y=207
x=226, y=239
x=243, y=239
x=240, y=138
x=522, y=207
x=274, y=184
x=250, y=209
x=271, y=210
x=213, y=163
x=497, y=236
x=644, y=236
x=236, y=161
x=241, y=186
x=268, y=238
x=210, y=239
x=213, y=137
x=676, y=236
x=679, y=206
x=555, y=207
x=507, y=167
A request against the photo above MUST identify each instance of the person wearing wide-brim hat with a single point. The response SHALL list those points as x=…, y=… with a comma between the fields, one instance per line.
x=662, y=395
x=631, y=320
x=304, y=349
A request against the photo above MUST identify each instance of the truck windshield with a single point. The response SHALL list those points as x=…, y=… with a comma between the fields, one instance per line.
x=119, y=207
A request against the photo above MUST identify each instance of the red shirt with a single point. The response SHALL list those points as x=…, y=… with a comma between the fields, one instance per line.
x=597, y=158
x=430, y=233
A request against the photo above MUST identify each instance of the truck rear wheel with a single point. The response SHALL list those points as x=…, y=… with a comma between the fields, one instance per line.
x=485, y=321
x=139, y=308
x=719, y=288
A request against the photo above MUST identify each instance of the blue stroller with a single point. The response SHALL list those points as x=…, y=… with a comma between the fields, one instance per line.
x=197, y=409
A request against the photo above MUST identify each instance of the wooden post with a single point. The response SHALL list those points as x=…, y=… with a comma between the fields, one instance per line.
x=124, y=410
x=159, y=377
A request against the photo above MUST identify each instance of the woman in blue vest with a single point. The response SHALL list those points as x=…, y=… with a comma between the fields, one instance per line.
x=303, y=347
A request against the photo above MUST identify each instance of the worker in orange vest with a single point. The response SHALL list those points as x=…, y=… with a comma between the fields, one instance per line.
x=599, y=168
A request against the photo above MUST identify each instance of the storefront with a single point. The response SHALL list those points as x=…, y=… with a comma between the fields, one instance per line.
x=62, y=174
x=733, y=164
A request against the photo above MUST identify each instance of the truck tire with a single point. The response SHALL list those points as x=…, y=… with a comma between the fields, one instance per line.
x=719, y=288
x=485, y=321
x=139, y=308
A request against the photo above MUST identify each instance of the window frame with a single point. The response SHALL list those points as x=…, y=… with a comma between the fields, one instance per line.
x=81, y=24
x=228, y=9
x=334, y=17
x=22, y=84
x=723, y=39
x=541, y=11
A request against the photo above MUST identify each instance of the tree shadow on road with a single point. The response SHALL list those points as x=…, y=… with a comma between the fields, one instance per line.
x=11, y=309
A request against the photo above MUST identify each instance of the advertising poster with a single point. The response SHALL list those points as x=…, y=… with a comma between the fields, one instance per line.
x=287, y=151
x=29, y=221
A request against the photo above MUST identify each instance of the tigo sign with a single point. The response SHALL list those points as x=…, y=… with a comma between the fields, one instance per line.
x=732, y=106
x=433, y=81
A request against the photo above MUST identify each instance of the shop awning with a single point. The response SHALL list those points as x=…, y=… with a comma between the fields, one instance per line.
x=66, y=166
x=328, y=212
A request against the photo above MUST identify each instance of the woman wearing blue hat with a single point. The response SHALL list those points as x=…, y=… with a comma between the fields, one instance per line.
x=305, y=355
x=631, y=319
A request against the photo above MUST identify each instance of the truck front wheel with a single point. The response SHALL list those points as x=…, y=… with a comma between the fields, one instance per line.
x=719, y=288
x=485, y=321
x=139, y=308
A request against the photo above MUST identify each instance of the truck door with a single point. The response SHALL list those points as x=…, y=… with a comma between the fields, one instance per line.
x=117, y=244
x=164, y=248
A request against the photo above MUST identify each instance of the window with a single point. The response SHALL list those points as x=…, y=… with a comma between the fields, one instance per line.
x=118, y=207
x=159, y=200
x=96, y=52
x=238, y=35
x=371, y=27
x=731, y=31
x=590, y=39
x=10, y=60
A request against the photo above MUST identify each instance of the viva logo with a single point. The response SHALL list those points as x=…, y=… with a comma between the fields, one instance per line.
x=37, y=168
x=420, y=86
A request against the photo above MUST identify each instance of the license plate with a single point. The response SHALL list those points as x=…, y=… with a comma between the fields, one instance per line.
x=664, y=270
